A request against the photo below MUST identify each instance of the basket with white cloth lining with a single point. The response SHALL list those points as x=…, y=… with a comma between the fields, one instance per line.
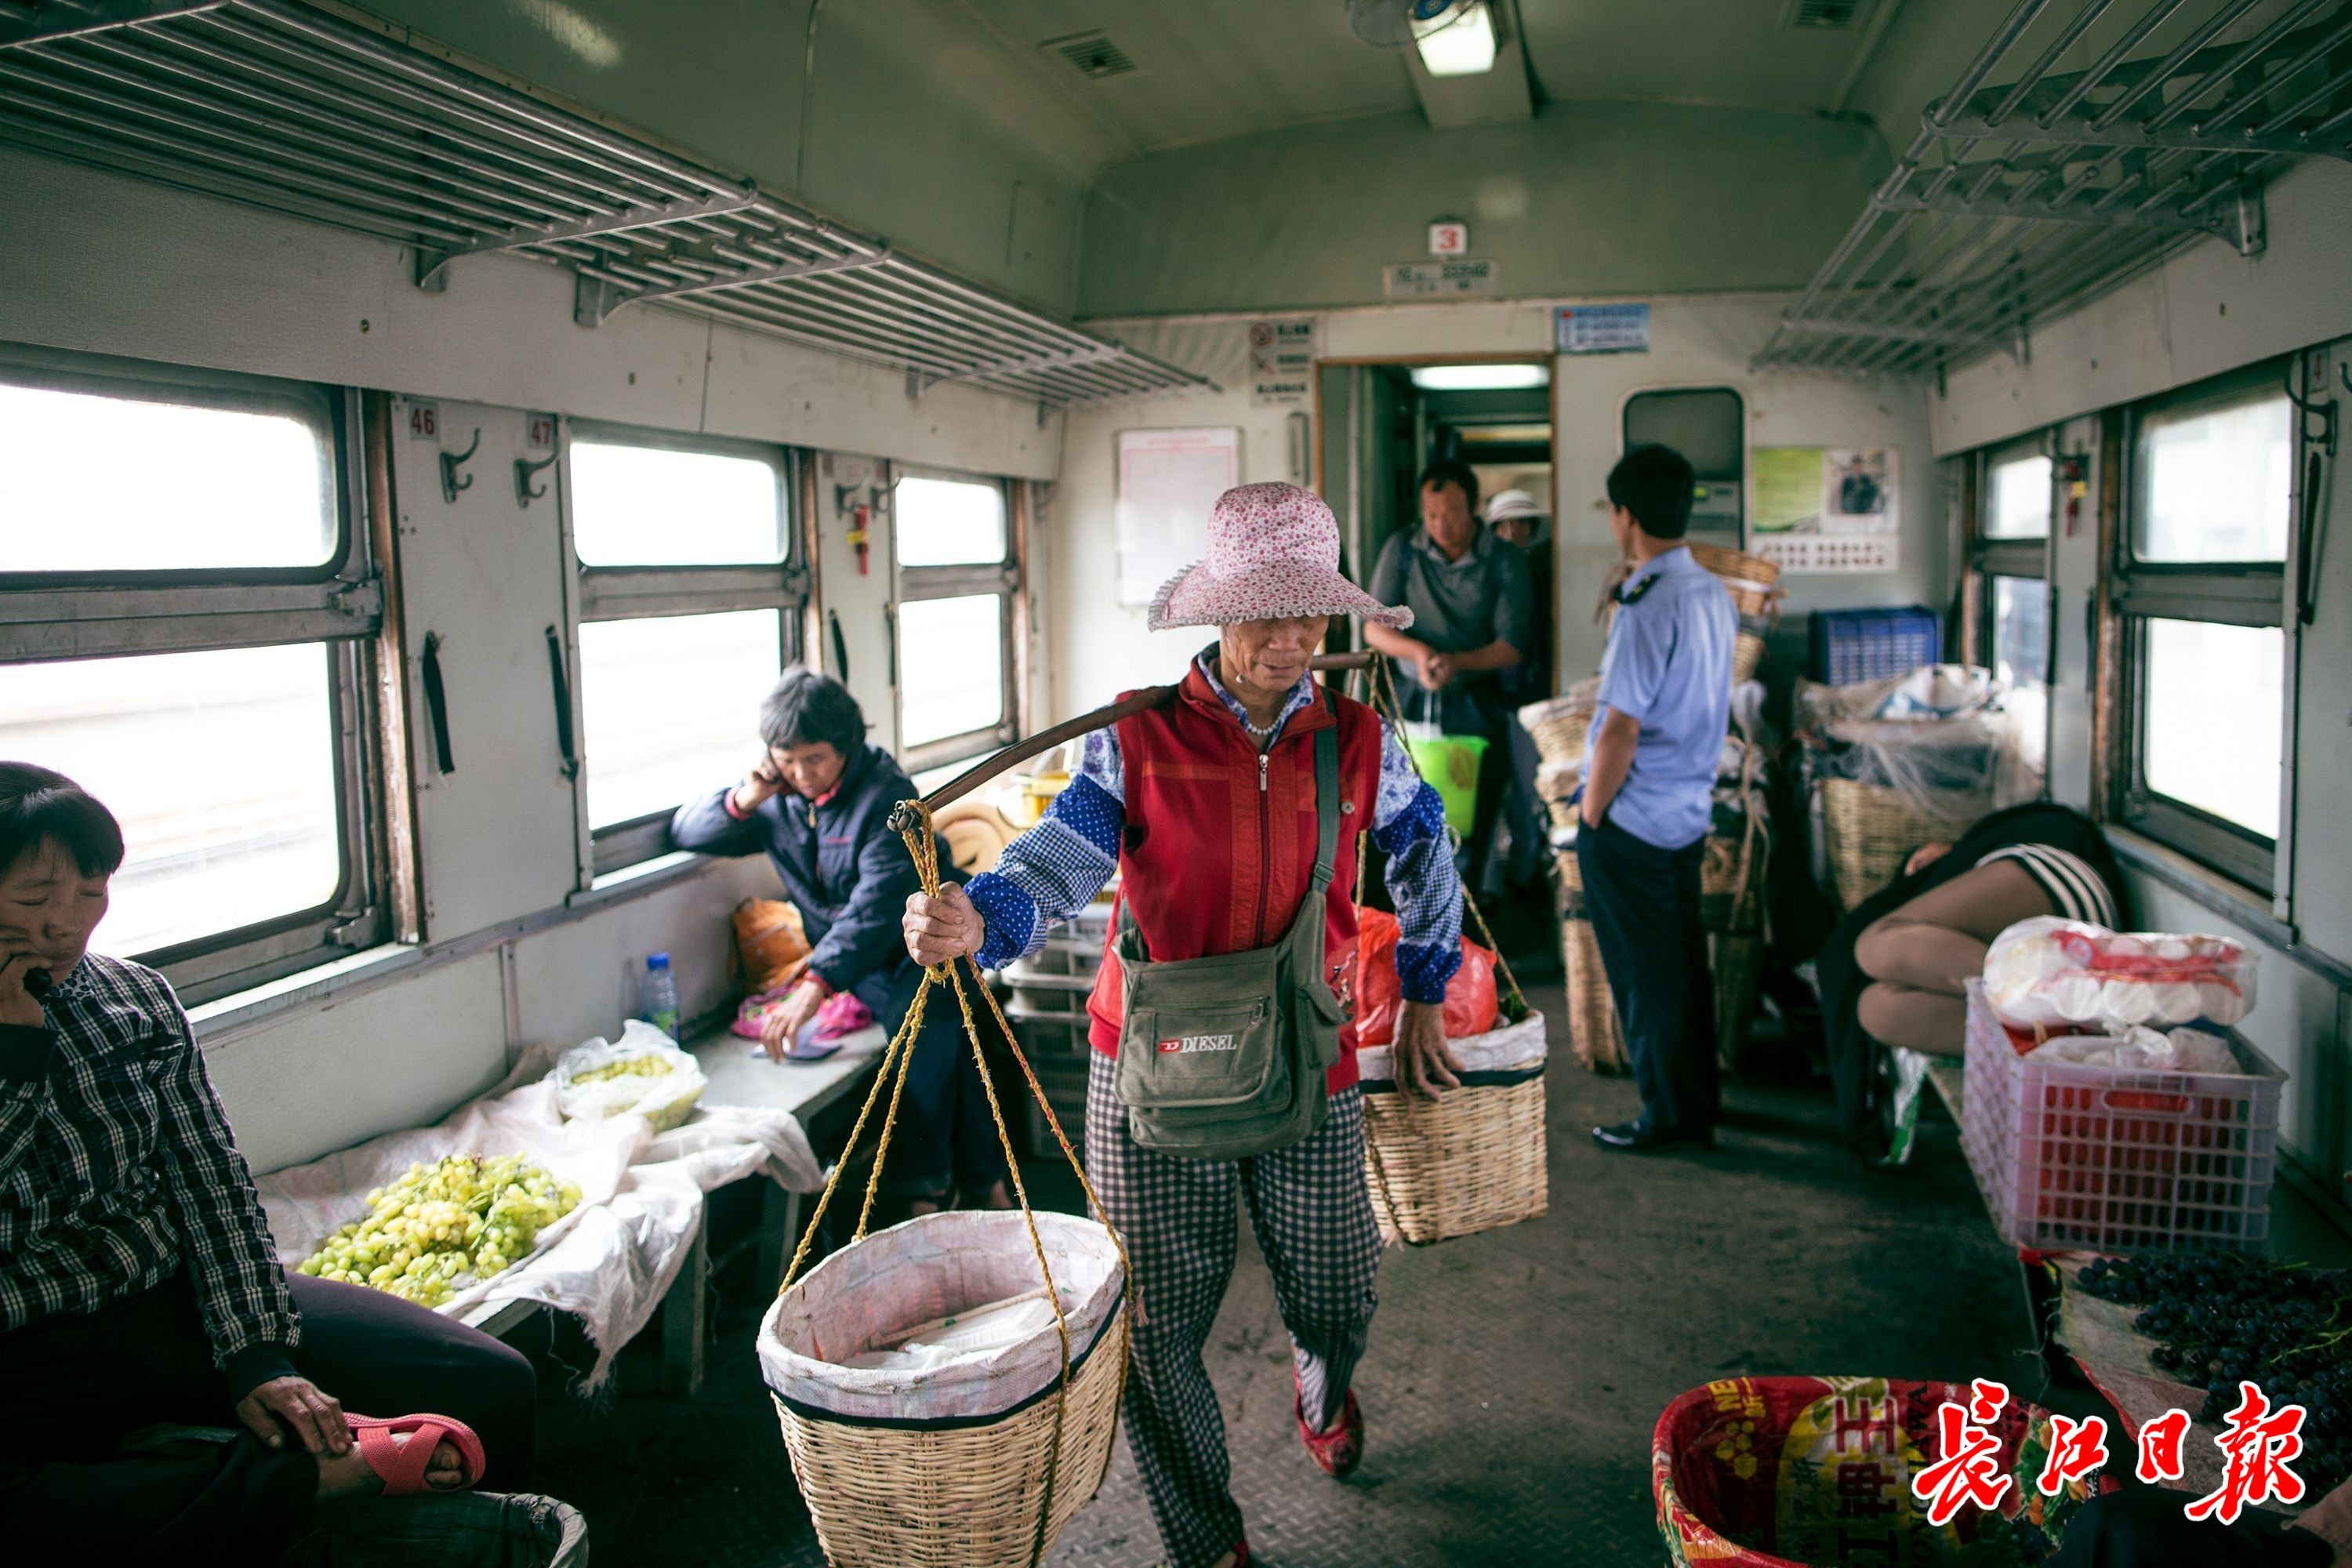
x=1472, y=1159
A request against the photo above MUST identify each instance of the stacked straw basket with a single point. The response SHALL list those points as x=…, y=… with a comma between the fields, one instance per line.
x=1868, y=830
x=1593, y=1030
x=1470, y=1159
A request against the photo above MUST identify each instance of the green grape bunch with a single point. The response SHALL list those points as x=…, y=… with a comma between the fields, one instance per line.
x=442, y=1227
x=628, y=1066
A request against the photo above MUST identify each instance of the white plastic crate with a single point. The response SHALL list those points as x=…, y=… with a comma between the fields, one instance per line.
x=2118, y=1159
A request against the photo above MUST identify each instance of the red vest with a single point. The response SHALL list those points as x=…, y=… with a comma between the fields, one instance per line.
x=1220, y=842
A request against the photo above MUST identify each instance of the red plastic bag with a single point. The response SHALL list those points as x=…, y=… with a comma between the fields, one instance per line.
x=1471, y=1006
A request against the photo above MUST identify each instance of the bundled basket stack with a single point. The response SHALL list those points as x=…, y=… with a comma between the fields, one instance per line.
x=1902, y=762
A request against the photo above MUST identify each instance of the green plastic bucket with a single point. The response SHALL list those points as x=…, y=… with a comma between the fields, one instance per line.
x=1449, y=762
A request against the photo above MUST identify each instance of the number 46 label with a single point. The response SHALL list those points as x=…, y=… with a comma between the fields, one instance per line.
x=424, y=421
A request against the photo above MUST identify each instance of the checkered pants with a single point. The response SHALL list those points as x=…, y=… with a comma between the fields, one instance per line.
x=1314, y=1222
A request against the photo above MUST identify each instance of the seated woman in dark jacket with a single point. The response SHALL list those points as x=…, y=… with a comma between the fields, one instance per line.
x=138, y=1282
x=818, y=803
x=1892, y=972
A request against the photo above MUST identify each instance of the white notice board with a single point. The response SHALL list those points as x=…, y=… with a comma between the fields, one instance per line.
x=1168, y=481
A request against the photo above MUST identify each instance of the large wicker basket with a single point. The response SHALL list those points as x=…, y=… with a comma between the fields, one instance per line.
x=1559, y=732
x=963, y=1497
x=1736, y=959
x=1868, y=830
x=1470, y=1159
x=1754, y=582
x=1592, y=1028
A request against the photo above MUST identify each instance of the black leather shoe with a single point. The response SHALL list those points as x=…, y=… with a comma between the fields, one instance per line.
x=1633, y=1138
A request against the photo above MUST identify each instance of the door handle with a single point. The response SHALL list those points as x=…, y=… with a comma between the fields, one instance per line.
x=562, y=705
x=840, y=645
x=891, y=630
x=437, y=702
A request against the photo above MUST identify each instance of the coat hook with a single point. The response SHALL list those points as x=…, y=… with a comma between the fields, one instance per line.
x=450, y=484
x=2323, y=411
x=524, y=469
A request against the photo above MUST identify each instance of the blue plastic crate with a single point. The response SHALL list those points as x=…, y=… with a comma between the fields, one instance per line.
x=1853, y=645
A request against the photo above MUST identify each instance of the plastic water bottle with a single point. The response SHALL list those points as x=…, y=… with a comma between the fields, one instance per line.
x=658, y=995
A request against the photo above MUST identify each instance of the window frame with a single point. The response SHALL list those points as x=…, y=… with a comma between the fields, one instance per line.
x=650, y=593
x=62, y=617
x=1990, y=558
x=1004, y=577
x=2239, y=593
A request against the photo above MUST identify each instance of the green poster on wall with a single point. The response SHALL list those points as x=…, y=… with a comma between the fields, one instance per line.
x=1788, y=489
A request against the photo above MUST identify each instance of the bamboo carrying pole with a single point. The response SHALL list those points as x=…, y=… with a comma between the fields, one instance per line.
x=1069, y=729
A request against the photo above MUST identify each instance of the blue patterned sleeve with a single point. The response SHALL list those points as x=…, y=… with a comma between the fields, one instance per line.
x=1054, y=869
x=1409, y=825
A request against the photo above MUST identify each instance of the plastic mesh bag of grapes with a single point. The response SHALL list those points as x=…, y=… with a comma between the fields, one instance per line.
x=1805, y=1472
x=642, y=1071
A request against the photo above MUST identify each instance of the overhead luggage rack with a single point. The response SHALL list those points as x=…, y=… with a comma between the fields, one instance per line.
x=302, y=111
x=2018, y=200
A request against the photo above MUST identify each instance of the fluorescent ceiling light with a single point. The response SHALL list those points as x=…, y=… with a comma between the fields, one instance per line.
x=1480, y=377
x=1463, y=47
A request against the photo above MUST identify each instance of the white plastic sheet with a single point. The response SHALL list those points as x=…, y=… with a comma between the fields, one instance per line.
x=930, y=1267
x=1514, y=1045
x=611, y=1259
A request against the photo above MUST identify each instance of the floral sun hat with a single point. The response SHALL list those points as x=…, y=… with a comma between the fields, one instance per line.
x=1273, y=552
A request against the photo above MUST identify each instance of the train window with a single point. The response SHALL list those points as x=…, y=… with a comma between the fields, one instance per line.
x=959, y=587
x=2017, y=496
x=220, y=767
x=690, y=599
x=128, y=478
x=666, y=706
x=2216, y=473
x=2009, y=557
x=2021, y=630
x=664, y=506
x=950, y=522
x=2200, y=584
x=950, y=668
x=187, y=628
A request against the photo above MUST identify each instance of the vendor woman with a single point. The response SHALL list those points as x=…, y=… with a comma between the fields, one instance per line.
x=1210, y=808
x=818, y=803
x=139, y=1285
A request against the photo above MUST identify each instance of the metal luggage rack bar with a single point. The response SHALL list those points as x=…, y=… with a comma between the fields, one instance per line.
x=2017, y=201
x=279, y=105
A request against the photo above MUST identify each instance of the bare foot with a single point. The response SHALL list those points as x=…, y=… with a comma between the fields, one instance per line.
x=923, y=1207
x=999, y=1197
x=348, y=1475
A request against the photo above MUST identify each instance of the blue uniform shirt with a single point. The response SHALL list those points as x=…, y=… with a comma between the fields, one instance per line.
x=1668, y=664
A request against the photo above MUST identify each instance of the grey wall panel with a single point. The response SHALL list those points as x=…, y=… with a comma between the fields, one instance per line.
x=497, y=831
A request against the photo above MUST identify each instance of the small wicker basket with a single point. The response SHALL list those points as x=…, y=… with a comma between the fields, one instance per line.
x=965, y=1497
x=1747, y=657
x=1868, y=830
x=1470, y=1159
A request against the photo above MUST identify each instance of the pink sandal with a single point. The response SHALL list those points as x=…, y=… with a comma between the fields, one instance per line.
x=402, y=1465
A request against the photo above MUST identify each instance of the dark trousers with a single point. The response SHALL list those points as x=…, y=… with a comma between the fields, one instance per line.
x=1644, y=904
x=2143, y=1527
x=945, y=1137
x=72, y=1388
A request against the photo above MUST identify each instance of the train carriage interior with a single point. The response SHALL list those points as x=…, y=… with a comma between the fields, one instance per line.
x=517, y=515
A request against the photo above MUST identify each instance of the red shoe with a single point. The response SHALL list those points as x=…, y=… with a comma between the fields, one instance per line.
x=1338, y=1452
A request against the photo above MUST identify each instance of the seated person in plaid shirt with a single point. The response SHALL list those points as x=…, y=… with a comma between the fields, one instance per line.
x=138, y=1282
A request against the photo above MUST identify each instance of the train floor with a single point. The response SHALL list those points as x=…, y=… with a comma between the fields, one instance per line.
x=1513, y=1381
